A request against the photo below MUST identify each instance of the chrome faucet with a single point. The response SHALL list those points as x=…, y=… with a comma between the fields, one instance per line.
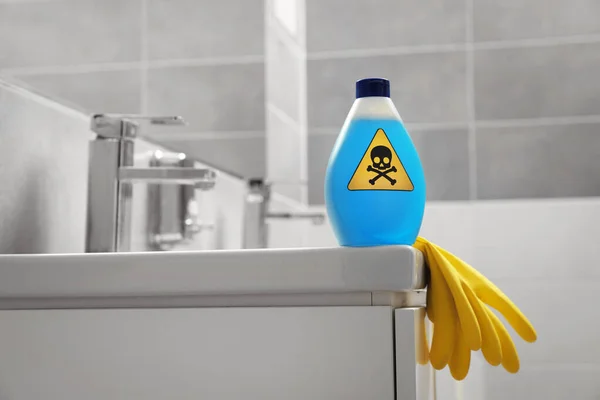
x=111, y=175
x=257, y=214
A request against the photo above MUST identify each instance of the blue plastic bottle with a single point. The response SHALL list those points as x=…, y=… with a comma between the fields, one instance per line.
x=374, y=184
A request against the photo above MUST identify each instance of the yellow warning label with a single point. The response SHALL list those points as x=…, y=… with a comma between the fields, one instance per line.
x=380, y=168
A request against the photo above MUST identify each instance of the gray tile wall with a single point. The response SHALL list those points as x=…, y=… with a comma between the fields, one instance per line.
x=201, y=59
x=502, y=98
x=286, y=101
x=468, y=75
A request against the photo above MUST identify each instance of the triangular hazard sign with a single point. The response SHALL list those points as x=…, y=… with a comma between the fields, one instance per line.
x=380, y=168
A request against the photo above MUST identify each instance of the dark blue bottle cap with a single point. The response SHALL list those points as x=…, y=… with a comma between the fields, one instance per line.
x=372, y=87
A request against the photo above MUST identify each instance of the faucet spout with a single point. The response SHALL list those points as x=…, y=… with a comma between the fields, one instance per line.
x=111, y=174
x=201, y=178
x=256, y=214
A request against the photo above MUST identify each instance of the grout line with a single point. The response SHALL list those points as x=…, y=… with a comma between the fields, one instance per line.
x=25, y=1
x=129, y=65
x=455, y=47
x=257, y=59
x=410, y=127
x=225, y=135
x=537, y=42
x=72, y=69
x=207, y=62
x=498, y=123
x=532, y=122
x=470, y=98
x=433, y=126
x=355, y=53
x=144, y=57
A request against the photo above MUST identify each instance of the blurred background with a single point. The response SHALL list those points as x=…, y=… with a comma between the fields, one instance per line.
x=502, y=100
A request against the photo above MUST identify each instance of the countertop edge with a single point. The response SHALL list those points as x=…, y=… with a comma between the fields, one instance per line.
x=272, y=272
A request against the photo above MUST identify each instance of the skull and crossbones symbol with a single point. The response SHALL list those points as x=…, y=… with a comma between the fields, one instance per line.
x=381, y=158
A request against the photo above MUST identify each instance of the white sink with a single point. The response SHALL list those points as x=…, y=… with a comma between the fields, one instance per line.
x=266, y=277
x=294, y=324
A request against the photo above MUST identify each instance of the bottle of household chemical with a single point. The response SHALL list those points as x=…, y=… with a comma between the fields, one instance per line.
x=374, y=184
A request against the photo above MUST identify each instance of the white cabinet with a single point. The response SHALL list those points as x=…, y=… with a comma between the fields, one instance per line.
x=303, y=324
x=237, y=353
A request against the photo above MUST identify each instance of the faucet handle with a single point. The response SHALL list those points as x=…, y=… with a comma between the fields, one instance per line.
x=120, y=126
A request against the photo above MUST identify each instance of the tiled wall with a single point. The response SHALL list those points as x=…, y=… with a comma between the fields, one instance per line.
x=201, y=59
x=542, y=253
x=501, y=97
x=286, y=98
x=43, y=175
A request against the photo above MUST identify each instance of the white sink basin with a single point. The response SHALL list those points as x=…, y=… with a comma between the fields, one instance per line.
x=322, y=324
x=266, y=277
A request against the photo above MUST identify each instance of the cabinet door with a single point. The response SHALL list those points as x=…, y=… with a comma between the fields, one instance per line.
x=233, y=353
x=413, y=380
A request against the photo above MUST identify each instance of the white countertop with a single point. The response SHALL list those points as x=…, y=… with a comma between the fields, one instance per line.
x=265, y=277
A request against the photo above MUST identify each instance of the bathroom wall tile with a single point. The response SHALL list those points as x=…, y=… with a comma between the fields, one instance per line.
x=526, y=239
x=320, y=235
x=283, y=76
x=445, y=158
x=548, y=382
x=103, y=91
x=287, y=17
x=284, y=232
x=445, y=386
x=43, y=174
x=425, y=87
x=516, y=19
x=318, y=149
x=540, y=161
x=474, y=385
x=452, y=226
x=211, y=98
x=294, y=191
x=284, y=158
x=283, y=149
x=564, y=317
x=240, y=156
x=69, y=32
x=205, y=28
x=537, y=82
x=358, y=24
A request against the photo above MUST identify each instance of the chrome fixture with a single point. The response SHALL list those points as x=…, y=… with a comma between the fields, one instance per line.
x=257, y=214
x=172, y=210
x=111, y=175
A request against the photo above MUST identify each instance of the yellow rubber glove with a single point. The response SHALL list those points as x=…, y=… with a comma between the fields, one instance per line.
x=457, y=304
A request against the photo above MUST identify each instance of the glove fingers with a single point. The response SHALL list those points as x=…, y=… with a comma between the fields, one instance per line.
x=492, y=295
x=510, y=358
x=509, y=310
x=490, y=342
x=444, y=329
x=460, y=361
x=466, y=315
